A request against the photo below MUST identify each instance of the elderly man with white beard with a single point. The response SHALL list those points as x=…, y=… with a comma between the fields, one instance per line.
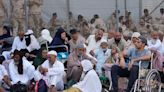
x=52, y=72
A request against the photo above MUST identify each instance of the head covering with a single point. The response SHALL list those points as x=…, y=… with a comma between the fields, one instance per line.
x=7, y=34
x=103, y=41
x=29, y=32
x=52, y=52
x=59, y=32
x=136, y=34
x=81, y=46
x=57, y=40
x=87, y=65
x=143, y=40
x=91, y=81
x=46, y=35
x=7, y=28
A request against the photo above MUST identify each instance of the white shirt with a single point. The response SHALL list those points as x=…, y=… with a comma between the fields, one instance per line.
x=34, y=45
x=92, y=44
x=3, y=72
x=56, y=69
x=27, y=75
x=18, y=44
x=154, y=44
x=90, y=83
x=54, y=74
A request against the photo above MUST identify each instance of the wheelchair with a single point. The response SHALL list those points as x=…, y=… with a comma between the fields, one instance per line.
x=149, y=79
x=62, y=52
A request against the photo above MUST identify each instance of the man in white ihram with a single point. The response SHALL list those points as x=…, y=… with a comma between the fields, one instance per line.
x=51, y=71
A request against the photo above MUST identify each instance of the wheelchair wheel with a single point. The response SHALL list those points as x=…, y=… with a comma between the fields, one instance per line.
x=137, y=86
x=153, y=81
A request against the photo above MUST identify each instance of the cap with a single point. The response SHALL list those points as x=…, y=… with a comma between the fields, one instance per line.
x=29, y=32
x=81, y=46
x=136, y=34
x=52, y=53
x=143, y=40
x=103, y=41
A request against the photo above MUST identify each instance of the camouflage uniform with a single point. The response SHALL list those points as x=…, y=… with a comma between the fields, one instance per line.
x=147, y=19
x=53, y=25
x=2, y=13
x=18, y=15
x=35, y=20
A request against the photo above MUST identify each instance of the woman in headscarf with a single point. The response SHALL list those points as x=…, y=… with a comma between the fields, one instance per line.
x=6, y=33
x=90, y=81
x=40, y=58
x=61, y=38
x=45, y=36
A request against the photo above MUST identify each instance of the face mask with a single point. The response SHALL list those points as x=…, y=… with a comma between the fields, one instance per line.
x=104, y=50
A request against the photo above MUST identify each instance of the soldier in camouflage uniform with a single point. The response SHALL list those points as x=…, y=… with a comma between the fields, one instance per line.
x=3, y=14
x=35, y=20
x=18, y=15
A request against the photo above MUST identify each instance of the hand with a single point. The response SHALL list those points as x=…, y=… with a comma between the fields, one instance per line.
x=31, y=55
x=27, y=54
x=92, y=52
x=130, y=64
x=41, y=69
x=45, y=70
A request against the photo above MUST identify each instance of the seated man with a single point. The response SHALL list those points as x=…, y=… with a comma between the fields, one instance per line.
x=4, y=77
x=74, y=62
x=32, y=46
x=101, y=54
x=118, y=41
x=155, y=42
x=94, y=41
x=76, y=39
x=51, y=71
x=139, y=53
x=18, y=44
x=21, y=71
x=90, y=81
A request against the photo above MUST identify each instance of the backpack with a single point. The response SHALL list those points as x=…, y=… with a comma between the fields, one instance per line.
x=41, y=86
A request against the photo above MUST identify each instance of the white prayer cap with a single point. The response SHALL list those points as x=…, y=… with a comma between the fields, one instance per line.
x=81, y=45
x=29, y=31
x=52, y=52
x=136, y=34
x=87, y=65
x=103, y=41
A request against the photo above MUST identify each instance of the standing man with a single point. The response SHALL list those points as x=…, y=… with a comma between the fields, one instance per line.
x=147, y=17
x=3, y=14
x=18, y=18
x=53, y=24
x=35, y=20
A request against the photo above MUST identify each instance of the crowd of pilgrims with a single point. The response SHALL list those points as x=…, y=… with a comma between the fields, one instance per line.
x=95, y=49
